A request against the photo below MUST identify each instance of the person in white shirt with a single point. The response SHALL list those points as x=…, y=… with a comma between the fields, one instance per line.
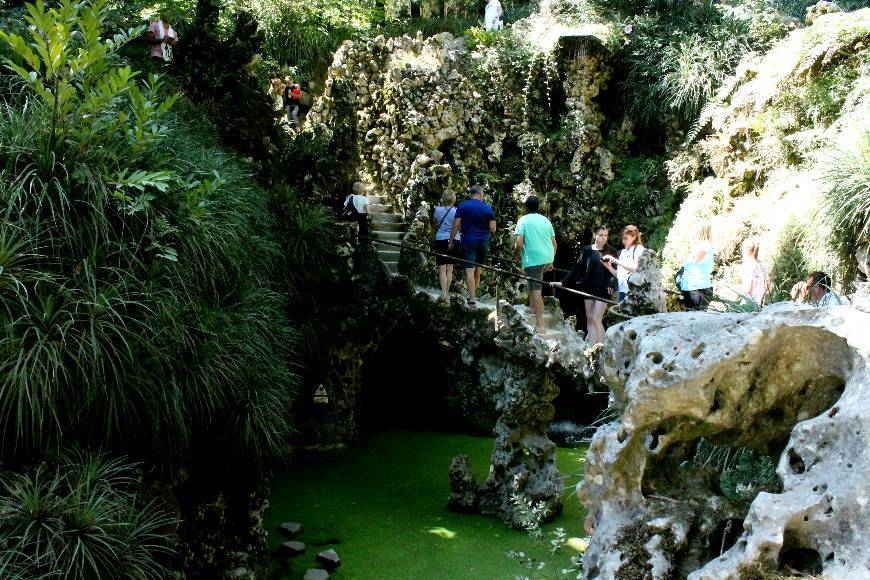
x=629, y=258
x=820, y=293
x=162, y=38
x=358, y=201
x=755, y=283
x=492, y=16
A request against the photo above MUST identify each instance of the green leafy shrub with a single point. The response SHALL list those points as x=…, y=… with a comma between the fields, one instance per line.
x=753, y=473
x=136, y=264
x=82, y=517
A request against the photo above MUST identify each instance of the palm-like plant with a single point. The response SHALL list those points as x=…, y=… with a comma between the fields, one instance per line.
x=82, y=517
x=135, y=262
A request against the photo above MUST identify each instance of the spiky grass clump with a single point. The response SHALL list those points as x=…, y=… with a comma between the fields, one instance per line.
x=846, y=202
x=139, y=278
x=82, y=517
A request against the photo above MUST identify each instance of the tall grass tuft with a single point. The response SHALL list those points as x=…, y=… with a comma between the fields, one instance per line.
x=82, y=517
x=845, y=181
x=139, y=273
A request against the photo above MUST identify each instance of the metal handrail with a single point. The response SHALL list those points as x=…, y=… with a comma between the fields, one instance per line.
x=493, y=268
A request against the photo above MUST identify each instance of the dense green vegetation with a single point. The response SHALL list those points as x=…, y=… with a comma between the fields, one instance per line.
x=144, y=301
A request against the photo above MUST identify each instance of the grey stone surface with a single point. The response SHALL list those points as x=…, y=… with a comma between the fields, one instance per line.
x=463, y=485
x=646, y=293
x=328, y=559
x=315, y=574
x=292, y=548
x=791, y=381
x=290, y=530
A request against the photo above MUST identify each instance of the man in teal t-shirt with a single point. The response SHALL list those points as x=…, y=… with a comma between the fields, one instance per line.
x=536, y=248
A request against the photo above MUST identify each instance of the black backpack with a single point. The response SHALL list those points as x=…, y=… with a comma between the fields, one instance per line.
x=349, y=211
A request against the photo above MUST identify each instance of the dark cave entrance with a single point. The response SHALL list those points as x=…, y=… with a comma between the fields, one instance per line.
x=413, y=381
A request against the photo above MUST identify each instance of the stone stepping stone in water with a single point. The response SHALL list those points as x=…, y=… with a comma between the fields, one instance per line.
x=290, y=530
x=329, y=559
x=292, y=549
x=315, y=574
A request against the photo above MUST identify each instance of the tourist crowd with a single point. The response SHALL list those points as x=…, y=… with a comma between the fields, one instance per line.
x=462, y=235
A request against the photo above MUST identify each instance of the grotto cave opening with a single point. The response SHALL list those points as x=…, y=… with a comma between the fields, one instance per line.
x=413, y=381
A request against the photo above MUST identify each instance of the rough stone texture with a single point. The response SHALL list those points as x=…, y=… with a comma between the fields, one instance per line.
x=329, y=559
x=421, y=116
x=820, y=8
x=523, y=463
x=291, y=549
x=791, y=381
x=222, y=531
x=315, y=574
x=463, y=486
x=861, y=298
x=290, y=529
x=646, y=292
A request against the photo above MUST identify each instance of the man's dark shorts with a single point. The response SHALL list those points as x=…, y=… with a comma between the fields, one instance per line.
x=537, y=273
x=474, y=252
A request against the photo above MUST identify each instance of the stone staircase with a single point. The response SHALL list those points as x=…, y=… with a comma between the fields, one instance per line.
x=385, y=225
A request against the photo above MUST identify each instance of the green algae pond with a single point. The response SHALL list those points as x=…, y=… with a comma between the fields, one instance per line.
x=381, y=505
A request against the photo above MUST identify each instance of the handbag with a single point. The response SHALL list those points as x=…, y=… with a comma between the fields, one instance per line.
x=678, y=276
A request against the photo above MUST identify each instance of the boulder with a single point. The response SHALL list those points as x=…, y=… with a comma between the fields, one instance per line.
x=315, y=574
x=791, y=382
x=328, y=559
x=290, y=530
x=463, y=486
x=291, y=549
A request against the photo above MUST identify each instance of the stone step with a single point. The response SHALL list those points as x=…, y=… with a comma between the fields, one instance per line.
x=386, y=248
x=387, y=226
x=376, y=199
x=388, y=236
x=380, y=208
x=393, y=267
x=386, y=218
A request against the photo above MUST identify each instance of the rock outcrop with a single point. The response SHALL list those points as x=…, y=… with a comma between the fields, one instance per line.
x=791, y=382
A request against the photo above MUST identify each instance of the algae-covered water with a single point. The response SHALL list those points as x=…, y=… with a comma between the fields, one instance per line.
x=382, y=506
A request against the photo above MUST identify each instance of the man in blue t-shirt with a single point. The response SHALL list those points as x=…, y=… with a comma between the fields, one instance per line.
x=476, y=221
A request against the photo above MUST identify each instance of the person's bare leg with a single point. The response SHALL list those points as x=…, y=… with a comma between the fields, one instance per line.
x=469, y=281
x=591, y=327
x=477, y=272
x=449, y=275
x=598, y=310
x=442, y=278
x=536, y=301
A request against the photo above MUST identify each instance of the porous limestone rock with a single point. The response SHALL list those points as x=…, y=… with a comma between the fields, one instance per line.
x=427, y=115
x=791, y=381
x=646, y=293
x=523, y=464
x=820, y=8
x=463, y=485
